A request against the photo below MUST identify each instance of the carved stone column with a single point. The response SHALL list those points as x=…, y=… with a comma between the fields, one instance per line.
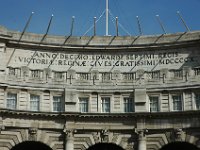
x=141, y=139
x=69, y=139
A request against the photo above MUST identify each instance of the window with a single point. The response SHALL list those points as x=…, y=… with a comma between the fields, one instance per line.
x=128, y=104
x=57, y=103
x=105, y=104
x=153, y=75
x=34, y=102
x=178, y=74
x=84, y=76
x=35, y=73
x=129, y=76
x=83, y=104
x=197, y=101
x=154, y=103
x=59, y=75
x=197, y=71
x=106, y=76
x=14, y=72
x=11, y=101
x=177, y=102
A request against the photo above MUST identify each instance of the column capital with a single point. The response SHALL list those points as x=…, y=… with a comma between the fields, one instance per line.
x=69, y=132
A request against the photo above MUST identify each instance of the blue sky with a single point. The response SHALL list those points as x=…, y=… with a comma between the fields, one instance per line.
x=15, y=13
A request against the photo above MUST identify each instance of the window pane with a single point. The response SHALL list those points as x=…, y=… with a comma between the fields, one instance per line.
x=34, y=102
x=177, y=102
x=11, y=101
x=197, y=101
x=83, y=104
x=154, y=103
x=105, y=103
x=57, y=103
x=128, y=104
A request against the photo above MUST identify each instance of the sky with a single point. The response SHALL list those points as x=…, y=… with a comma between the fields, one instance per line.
x=15, y=14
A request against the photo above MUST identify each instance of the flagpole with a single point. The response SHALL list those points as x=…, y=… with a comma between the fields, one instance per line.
x=107, y=9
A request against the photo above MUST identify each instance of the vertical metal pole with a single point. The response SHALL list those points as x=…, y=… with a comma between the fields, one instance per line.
x=139, y=26
x=26, y=26
x=117, y=31
x=183, y=21
x=161, y=25
x=72, y=26
x=107, y=9
x=94, y=26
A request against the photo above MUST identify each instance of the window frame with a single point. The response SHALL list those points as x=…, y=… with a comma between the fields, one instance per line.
x=59, y=103
x=10, y=99
x=130, y=104
x=180, y=99
x=83, y=104
x=103, y=104
x=38, y=102
x=158, y=102
x=195, y=100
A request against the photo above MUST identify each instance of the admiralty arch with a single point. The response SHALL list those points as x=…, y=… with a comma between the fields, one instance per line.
x=99, y=92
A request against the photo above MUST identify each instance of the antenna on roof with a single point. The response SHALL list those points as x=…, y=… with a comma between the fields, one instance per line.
x=139, y=25
x=161, y=24
x=183, y=21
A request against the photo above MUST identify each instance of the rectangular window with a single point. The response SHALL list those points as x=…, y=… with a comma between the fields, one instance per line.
x=197, y=101
x=177, y=102
x=197, y=71
x=105, y=104
x=155, y=75
x=84, y=76
x=35, y=73
x=129, y=76
x=128, y=104
x=106, y=76
x=14, y=72
x=34, y=102
x=58, y=75
x=83, y=104
x=154, y=103
x=11, y=101
x=178, y=74
x=57, y=103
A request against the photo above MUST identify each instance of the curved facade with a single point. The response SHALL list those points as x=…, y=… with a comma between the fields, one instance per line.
x=75, y=93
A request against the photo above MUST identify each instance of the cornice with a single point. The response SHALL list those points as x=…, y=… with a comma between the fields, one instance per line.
x=92, y=116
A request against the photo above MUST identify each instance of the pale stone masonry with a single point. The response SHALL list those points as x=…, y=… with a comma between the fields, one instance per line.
x=72, y=93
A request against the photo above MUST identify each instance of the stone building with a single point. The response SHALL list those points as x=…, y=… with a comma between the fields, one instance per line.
x=90, y=93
